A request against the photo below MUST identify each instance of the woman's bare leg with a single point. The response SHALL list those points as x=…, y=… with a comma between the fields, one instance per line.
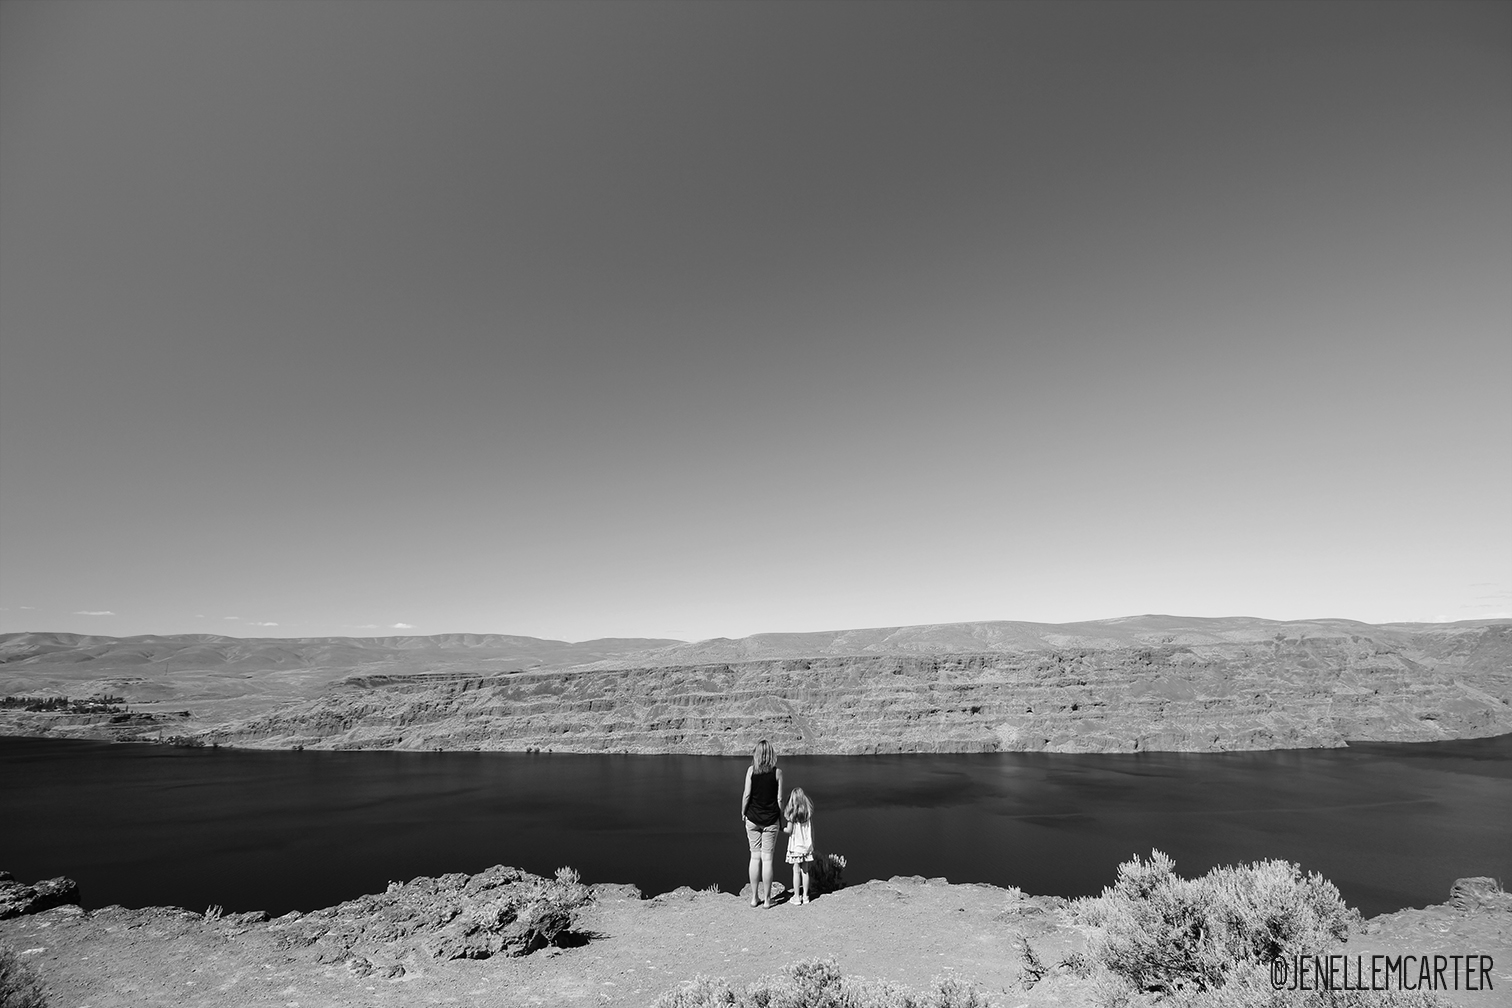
x=766, y=879
x=755, y=873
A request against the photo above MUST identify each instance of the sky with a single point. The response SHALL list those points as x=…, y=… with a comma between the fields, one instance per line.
x=579, y=320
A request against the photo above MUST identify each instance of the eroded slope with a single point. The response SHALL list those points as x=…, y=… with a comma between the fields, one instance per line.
x=1304, y=685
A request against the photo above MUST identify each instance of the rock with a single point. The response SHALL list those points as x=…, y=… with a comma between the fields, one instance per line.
x=777, y=890
x=17, y=900
x=1476, y=894
x=501, y=911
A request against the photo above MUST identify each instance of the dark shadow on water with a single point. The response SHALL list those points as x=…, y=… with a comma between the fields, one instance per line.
x=1391, y=824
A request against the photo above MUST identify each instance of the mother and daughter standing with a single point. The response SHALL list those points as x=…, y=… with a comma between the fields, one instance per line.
x=762, y=812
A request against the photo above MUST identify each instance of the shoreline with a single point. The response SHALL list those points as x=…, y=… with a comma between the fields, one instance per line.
x=570, y=749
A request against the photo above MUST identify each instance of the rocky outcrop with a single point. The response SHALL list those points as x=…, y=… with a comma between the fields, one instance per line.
x=17, y=900
x=501, y=911
x=1473, y=895
x=129, y=726
x=1257, y=685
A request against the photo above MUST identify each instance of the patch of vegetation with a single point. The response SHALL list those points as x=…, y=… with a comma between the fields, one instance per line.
x=20, y=986
x=828, y=874
x=1033, y=969
x=100, y=704
x=1208, y=942
x=817, y=983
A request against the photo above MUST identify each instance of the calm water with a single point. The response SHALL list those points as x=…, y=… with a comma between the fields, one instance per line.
x=1392, y=824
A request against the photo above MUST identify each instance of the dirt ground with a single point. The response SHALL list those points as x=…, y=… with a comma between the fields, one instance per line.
x=630, y=951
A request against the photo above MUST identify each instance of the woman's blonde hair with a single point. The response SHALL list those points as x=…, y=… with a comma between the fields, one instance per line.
x=763, y=757
x=800, y=808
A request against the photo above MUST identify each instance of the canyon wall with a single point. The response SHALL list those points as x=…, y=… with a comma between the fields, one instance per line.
x=1264, y=686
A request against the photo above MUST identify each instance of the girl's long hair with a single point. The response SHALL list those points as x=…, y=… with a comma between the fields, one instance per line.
x=799, y=807
x=763, y=757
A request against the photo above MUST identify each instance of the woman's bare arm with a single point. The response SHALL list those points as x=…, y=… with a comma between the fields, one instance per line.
x=745, y=795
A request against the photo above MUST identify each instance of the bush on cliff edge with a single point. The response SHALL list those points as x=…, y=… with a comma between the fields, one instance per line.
x=1207, y=942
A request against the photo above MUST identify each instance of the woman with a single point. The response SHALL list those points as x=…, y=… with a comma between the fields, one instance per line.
x=761, y=812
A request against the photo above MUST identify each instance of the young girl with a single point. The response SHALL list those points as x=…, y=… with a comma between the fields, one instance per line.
x=800, y=849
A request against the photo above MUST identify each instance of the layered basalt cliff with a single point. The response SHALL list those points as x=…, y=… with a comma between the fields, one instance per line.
x=1316, y=686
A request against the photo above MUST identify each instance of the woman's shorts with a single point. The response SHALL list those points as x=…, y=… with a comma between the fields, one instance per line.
x=763, y=839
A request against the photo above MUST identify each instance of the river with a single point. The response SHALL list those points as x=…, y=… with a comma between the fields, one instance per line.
x=1391, y=824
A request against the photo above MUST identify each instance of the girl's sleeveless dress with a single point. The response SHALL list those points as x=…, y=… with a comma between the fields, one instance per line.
x=801, y=843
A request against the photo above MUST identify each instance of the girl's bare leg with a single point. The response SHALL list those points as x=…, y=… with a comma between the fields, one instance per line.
x=804, y=866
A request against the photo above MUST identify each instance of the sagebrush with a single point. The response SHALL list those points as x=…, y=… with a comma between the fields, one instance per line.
x=1207, y=942
x=817, y=983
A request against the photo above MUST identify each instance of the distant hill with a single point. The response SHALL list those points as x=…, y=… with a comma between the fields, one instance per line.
x=220, y=678
x=1012, y=636
x=1119, y=685
x=30, y=651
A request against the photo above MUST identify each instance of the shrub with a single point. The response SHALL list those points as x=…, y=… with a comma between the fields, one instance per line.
x=828, y=874
x=817, y=983
x=1207, y=942
x=20, y=986
x=1163, y=933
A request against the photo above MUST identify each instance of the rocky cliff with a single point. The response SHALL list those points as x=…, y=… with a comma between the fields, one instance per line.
x=177, y=684
x=1147, y=683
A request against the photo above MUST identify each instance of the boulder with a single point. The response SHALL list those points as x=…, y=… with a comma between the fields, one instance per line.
x=501, y=911
x=1474, y=894
x=777, y=890
x=17, y=900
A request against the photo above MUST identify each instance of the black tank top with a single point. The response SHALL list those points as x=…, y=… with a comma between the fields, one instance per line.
x=761, y=808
